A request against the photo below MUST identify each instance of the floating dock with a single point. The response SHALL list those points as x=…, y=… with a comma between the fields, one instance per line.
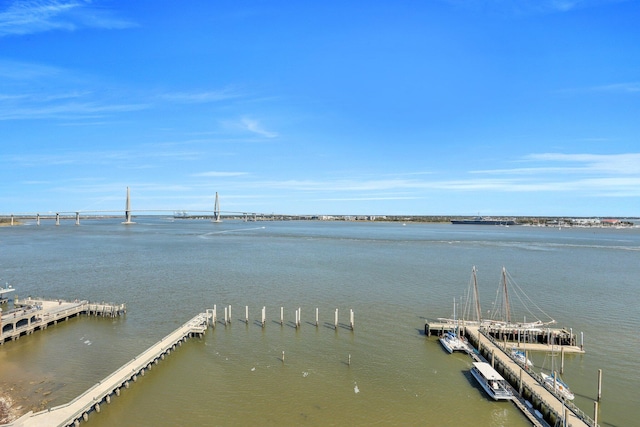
x=72, y=413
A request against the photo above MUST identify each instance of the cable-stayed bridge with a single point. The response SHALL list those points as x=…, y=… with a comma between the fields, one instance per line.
x=215, y=215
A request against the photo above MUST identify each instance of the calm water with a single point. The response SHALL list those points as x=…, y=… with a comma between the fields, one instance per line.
x=392, y=276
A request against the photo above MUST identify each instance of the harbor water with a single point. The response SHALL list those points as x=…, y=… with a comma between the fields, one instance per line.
x=384, y=372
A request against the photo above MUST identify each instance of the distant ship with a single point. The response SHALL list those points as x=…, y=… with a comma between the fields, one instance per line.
x=484, y=221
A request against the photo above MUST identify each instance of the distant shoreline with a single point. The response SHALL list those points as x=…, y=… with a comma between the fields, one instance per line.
x=543, y=221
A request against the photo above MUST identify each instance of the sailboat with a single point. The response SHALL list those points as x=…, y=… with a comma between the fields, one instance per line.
x=452, y=341
x=554, y=383
x=501, y=316
x=520, y=357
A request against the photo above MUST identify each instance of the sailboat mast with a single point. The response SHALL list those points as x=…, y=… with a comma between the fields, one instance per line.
x=476, y=297
x=507, y=307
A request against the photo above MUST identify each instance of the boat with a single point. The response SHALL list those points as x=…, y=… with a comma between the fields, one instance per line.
x=491, y=381
x=520, y=357
x=483, y=220
x=452, y=341
x=553, y=381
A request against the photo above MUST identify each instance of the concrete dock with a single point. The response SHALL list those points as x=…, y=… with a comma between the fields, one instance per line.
x=527, y=384
x=30, y=315
x=72, y=413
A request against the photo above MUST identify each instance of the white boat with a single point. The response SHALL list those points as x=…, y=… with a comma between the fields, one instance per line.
x=553, y=381
x=491, y=381
x=520, y=357
x=452, y=342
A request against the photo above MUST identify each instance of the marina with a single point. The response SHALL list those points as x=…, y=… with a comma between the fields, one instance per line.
x=394, y=277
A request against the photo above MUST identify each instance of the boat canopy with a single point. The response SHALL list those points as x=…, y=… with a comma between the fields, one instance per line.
x=487, y=371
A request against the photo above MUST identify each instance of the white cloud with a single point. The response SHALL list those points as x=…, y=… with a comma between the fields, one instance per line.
x=72, y=110
x=528, y=7
x=202, y=97
x=219, y=174
x=254, y=126
x=626, y=163
x=35, y=16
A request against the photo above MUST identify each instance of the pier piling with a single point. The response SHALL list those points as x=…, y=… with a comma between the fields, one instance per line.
x=599, y=384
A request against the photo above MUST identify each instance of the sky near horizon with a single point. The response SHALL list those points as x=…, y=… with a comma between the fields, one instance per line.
x=440, y=107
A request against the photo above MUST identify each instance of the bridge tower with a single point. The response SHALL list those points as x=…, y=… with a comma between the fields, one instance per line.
x=216, y=210
x=127, y=211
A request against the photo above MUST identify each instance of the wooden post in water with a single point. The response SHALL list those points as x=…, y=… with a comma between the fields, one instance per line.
x=599, y=384
x=336, y=320
x=316, y=317
x=349, y=360
x=264, y=316
x=282, y=356
x=225, y=316
x=246, y=314
x=562, y=360
x=281, y=316
x=299, y=316
x=229, y=313
x=595, y=412
x=582, y=341
x=351, y=318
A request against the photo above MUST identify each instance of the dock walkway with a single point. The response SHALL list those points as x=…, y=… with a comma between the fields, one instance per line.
x=30, y=315
x=527, y=380
x=78, y=409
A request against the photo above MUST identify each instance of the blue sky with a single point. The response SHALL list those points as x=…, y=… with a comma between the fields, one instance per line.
x=440, y=107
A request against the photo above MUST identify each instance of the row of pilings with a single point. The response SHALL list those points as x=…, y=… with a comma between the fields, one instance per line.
x=212, y=317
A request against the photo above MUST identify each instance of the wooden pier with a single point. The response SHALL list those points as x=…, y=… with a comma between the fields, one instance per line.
x=542, y=339
x=530, y=393
x=30, y=315
x=72, y=413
